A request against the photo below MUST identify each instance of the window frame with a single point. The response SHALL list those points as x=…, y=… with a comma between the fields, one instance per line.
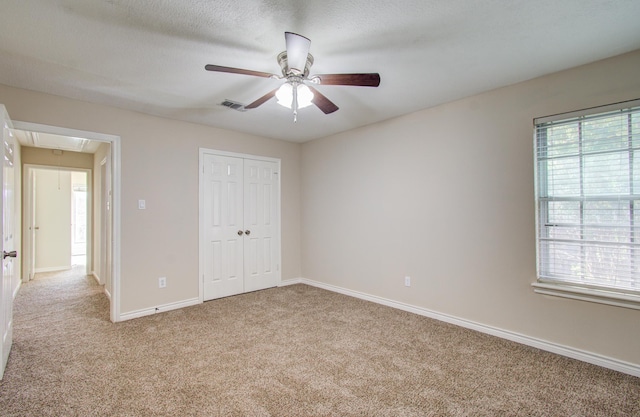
x=557, y=286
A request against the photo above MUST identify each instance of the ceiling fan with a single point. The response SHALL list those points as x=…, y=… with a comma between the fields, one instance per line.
x=296, y=92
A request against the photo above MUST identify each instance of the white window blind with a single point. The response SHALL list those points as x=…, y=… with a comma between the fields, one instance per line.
x=588, y=199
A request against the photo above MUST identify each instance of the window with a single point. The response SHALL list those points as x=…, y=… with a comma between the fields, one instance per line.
x=588, y=204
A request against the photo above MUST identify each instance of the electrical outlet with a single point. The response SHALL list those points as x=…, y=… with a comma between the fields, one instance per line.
x=407, y=281
x=162, y=282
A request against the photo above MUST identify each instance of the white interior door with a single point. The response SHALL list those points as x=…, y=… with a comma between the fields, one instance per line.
x=102, y=259
x=260, y=222
x=223, y=228
x=53, y=219
x=239, y=222
x=30, y=225
x=8, y=231
x=105, y=224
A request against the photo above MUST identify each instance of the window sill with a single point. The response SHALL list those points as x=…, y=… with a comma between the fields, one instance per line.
x=588, y=294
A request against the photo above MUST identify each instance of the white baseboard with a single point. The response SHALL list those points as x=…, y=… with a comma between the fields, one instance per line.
x=15, y=292
x=107, y=293
x=181, y=304
x=290, y=282
x=159, y=309
x=96, y=277
x=581, y=355
x=52, y=269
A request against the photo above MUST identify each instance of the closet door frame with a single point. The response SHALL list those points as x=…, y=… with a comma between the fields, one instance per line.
x=201, y=219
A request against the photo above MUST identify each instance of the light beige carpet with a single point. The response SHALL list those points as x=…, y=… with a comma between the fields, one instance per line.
x=291, y=351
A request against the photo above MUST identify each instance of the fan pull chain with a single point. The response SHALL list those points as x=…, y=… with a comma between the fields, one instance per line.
x=295, y=102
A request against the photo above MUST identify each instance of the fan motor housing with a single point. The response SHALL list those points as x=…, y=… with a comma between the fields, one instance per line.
x=282, y=60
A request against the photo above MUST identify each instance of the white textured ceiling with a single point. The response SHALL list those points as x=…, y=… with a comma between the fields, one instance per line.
x=149, y=55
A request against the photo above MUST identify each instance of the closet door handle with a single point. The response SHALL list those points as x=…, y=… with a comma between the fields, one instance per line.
x=11, y=254
x=247, y=232
x=240, y=232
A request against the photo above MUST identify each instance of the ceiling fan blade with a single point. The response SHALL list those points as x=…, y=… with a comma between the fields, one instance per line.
x=363, y=80
x=262, y=100
x=231, y=70
x=327, y=106
x=297, y=51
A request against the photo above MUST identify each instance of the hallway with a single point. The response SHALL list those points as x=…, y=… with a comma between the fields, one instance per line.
x=55, y=293
x=44, y=358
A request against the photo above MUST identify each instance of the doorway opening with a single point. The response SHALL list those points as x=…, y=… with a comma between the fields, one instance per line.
x=102, y=251
x=58, y=219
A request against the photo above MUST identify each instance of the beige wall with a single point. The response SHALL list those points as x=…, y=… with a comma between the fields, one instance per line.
x=40, y=156
x=160, y=165
x=446, y=196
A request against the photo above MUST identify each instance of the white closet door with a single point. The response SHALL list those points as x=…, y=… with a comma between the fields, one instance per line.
x=240, y=225
x=223, y=228
x=261, y=222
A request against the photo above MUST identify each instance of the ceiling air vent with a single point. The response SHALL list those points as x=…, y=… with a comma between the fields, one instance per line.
x=233, y=105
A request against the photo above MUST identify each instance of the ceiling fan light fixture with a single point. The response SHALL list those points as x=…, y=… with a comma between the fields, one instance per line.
x=285, y=96
x=305, y=95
